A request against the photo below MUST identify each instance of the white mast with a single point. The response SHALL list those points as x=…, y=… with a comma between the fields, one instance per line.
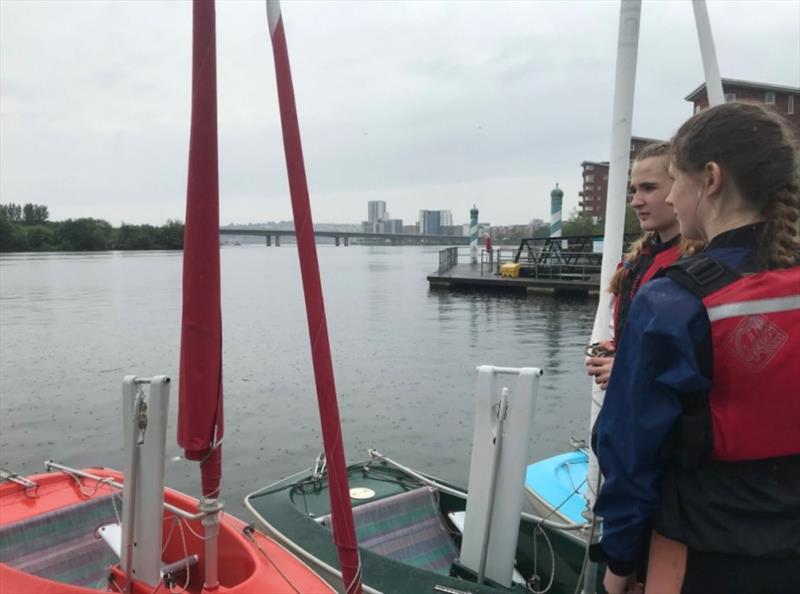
x=708, y=53
x=624, y=84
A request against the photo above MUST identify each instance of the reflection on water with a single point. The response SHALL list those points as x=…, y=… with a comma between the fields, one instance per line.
x=71, y=325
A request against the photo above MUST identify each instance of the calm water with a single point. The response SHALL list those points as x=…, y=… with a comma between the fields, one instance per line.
x=72, y=325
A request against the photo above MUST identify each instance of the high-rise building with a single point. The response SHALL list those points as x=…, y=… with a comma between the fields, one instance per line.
x=376, y=211
x=430, y=222
x=392, y=226
x=433, y=222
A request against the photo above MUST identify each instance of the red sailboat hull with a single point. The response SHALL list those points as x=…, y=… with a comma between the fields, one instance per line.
x=249, y=563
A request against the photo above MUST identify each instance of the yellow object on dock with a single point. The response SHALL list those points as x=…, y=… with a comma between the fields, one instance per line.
x=510, y=270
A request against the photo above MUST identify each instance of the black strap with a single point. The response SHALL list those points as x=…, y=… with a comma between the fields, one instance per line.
x=701, y=275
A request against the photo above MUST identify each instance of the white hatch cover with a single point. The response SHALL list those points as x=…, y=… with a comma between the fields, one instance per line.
x=361, y=493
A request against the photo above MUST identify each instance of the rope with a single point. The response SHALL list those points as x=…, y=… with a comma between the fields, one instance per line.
x=585, y=563
x=185, y=522
x=539, y=530
x=248, y=533
x=530, y=588
x=82, y=489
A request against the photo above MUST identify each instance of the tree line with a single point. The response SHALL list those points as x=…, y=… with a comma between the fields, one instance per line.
x=28, y=228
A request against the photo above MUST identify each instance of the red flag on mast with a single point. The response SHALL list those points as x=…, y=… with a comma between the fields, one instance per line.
x=341, y=511
x=200, y=395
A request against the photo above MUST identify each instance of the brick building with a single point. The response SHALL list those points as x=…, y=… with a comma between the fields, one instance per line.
x=595, y=180
x=784, y=100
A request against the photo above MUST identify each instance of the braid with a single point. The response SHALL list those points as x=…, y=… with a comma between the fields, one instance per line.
x=782, y=233
x=615, y=286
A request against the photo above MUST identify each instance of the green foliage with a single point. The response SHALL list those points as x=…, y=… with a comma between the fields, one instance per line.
x=24, y=228
x=84, y=235
x=41, y=238
x=631, y=221
x=543, y=231
x=581, y=223
x=34, y=214
x=11, y=212
x=12, y=237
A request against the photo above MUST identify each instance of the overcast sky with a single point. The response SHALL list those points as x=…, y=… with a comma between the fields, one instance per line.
x=423, y=104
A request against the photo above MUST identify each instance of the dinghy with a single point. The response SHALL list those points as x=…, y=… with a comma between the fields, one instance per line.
x=417, y=533
x=557, y=486
x=410, y=529
x=60, y=534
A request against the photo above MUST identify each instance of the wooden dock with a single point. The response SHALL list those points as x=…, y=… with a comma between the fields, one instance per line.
x=471, y=277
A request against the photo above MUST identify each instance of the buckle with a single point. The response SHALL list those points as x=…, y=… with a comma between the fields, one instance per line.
x=705, y=271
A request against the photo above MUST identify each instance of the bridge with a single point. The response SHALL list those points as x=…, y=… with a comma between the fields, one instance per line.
x=344, y=237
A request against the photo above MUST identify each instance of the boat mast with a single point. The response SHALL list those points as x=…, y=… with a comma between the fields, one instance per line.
x=708, y=54
x=200, y=423
x=341, y=511
x=624, y=84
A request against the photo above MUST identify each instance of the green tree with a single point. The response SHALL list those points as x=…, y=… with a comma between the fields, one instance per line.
x=631, y=221
x=34, y=214
x=27, y=214
x=12, y=212
x=543, y=231
x=135, y=237
x=581, y=223
x=41, y=238
x=12, y=237
x=85, y=234
x=170, y=236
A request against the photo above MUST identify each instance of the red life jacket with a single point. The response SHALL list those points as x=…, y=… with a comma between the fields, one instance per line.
x=731, y=482
x=755, y=398
x=754, y=403
x=661, y=261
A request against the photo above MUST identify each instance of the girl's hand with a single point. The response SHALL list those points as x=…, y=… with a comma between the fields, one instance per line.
x=619, y=584
x=600, y=369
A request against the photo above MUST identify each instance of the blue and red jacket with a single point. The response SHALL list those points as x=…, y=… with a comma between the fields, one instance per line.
x=654, y=257
x=686, y=455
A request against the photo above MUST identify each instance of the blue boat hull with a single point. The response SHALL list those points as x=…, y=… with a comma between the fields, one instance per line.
x=557, y=485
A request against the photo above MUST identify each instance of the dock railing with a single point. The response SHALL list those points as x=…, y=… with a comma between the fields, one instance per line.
x=574, y=258
x=448, y=258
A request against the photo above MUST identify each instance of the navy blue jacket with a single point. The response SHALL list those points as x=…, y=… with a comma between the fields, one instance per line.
x=656, y=362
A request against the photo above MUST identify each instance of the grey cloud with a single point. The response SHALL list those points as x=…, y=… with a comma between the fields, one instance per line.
x=424, y=104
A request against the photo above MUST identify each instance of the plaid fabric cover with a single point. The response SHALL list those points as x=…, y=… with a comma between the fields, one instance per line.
x=407, y=528
x=61, y=545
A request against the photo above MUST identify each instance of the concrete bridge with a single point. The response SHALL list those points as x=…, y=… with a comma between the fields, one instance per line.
x=344, y=237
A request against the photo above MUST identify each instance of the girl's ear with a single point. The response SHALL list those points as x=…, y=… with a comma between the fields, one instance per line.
x=713, y=178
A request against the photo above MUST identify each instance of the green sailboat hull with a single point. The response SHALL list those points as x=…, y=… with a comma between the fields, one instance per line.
x=294, y=511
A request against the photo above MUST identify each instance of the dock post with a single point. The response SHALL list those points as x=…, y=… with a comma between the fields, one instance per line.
x=336, y=239
x=269, y=240
x=473, y=234
x=277, y=241
x=346, y=241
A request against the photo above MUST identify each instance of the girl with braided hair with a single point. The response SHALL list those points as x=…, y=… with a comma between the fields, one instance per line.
x=699, y=437
x=658, y=247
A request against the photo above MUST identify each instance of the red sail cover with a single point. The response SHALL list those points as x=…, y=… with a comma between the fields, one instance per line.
x=342, y=513
x=200, y=396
